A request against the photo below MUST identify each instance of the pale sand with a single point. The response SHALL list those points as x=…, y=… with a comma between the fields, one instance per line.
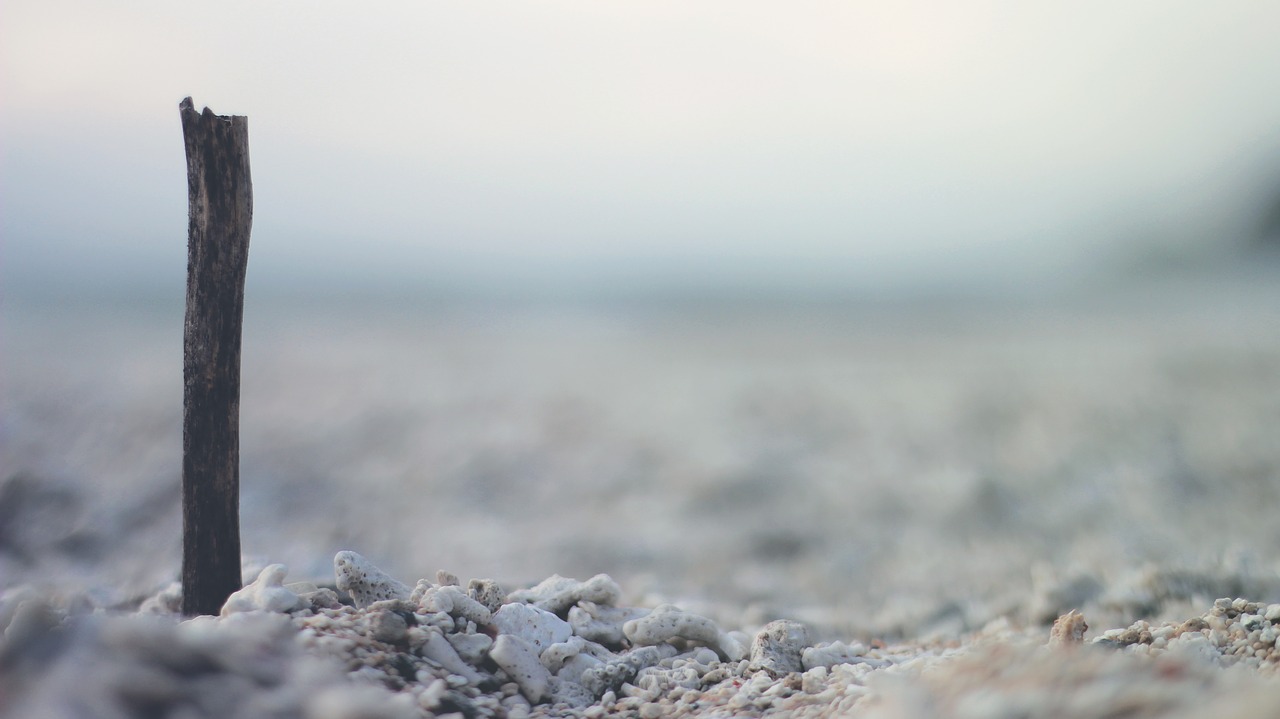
x=897, y=476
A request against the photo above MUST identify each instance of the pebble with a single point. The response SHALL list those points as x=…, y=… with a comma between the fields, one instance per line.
x=778, y=647
x=451, y=600
x=602, y=624
x=557, y=594
x=388, y=626
x=267, y=593
x=814, y=680
x=431, y=696
x=436, y=654
x=441, y=651
x=538, y=627
x=1068, y=629
x=554, y=656
x=487, y=592
x=364, y=581
x=473, y=648
x=519, y=660
x=832, y=653
x=668, y=622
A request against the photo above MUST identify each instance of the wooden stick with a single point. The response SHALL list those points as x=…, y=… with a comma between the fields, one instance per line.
x=220, y=215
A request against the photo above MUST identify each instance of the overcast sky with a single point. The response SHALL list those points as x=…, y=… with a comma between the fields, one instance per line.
x=597, y=143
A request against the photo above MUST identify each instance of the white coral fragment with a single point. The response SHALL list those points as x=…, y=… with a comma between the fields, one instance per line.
x=473, y=648
x=487, y=592
x=573, y=668
x=779, y=645
x=557, y=594
x=452, y=600
x=539, y=628
x=438, y=649
x=668, y=622
x=520, y=661
x=602, y=624
x=267, y=593
x=833, y=653
x=363, y=580
x=554, y=656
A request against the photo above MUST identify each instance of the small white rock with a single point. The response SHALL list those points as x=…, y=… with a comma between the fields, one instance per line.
x=554, y=656
x=828, y=655
x=538, y=627
x=557, y=594
x=667, y=622
x=366, y=583
x=267, y=593
x=473, y=648
x=518, y=659
x=452, y=599
x=602, y=624
x=441, y=651
x=778, y=646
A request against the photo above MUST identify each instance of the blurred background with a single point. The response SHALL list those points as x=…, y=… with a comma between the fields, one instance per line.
x=889, y=316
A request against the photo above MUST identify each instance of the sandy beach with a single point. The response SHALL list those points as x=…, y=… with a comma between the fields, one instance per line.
x=931, y=485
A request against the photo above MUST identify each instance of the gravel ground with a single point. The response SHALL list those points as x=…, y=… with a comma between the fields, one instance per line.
x=935, y=483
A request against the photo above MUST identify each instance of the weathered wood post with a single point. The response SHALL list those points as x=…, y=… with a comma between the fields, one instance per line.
x=220, y=214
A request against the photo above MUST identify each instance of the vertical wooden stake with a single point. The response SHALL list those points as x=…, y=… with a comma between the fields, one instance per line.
x=220, y=215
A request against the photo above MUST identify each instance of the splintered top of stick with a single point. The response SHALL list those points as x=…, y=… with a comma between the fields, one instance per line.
x=188, y=106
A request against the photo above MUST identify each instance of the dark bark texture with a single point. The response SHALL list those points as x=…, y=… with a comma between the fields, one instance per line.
x=220, y=197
